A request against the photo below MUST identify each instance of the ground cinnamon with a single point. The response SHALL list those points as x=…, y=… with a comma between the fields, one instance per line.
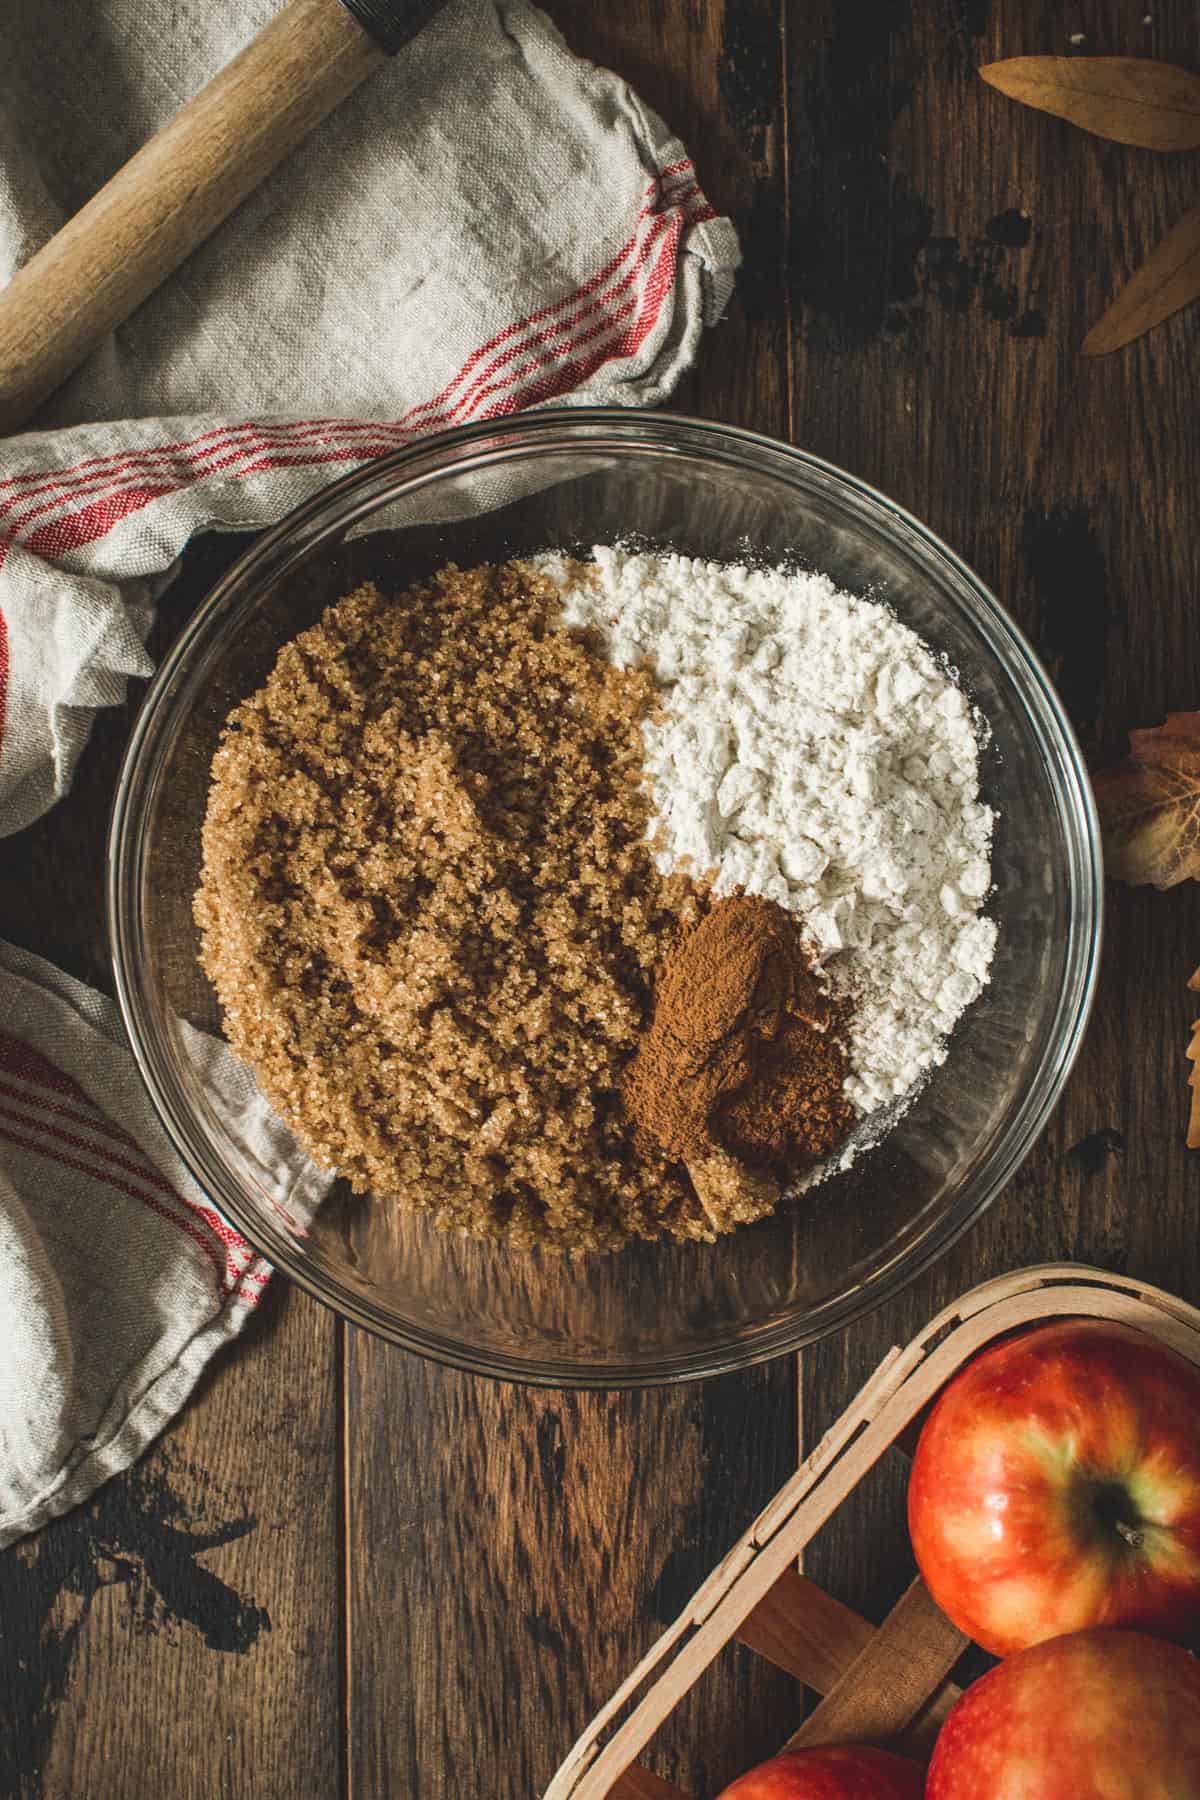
x=741, y=1073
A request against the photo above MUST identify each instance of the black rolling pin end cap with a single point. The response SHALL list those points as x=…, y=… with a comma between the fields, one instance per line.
x=392, y=22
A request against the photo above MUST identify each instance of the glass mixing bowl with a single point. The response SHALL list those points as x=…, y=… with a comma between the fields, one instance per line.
x=654, y=1312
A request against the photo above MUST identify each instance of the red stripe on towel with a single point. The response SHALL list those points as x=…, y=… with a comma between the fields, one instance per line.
x=206, y=1243
x=30, y=1066
x=306, y=442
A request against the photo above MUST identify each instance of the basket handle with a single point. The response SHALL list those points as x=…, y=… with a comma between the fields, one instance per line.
x=885, y=1686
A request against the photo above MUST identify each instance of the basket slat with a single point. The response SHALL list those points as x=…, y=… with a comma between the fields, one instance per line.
x=640, y=1784
x=805, y=1631
x=889, y=1683
x=824, y=1643
x=918, y=1740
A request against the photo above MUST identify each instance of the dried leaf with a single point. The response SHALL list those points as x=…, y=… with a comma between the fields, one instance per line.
x=1150, y=805
x=1169, y=280
x=1131, y=99
x=1193, y=1056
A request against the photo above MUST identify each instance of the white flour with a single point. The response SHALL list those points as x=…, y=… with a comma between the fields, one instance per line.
x=811, y=749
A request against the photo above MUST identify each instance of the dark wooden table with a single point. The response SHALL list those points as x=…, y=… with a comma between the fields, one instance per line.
x=347, y=1572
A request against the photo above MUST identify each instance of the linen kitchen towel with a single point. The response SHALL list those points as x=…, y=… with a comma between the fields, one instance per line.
x=118, y=1278
x=488, y=224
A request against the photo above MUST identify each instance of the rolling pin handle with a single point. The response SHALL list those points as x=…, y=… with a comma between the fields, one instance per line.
x=174, y=192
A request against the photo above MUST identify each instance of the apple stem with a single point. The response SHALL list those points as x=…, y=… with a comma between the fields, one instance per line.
x=1132, y=1536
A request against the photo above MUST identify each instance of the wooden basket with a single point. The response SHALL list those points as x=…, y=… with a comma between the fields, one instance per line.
x=888, y=1686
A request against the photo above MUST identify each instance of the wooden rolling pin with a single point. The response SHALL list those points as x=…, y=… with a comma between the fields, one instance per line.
x=178, y=188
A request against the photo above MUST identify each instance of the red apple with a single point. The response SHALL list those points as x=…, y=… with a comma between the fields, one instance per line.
x=1099, y=1715
x=850, y=1772
x=1056, y=1486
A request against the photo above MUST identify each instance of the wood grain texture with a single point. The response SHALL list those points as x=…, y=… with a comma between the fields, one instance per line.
x=193, y=1616
x=949, y=250
x=513, y=1552
x=173, y=194
x=180, y=1635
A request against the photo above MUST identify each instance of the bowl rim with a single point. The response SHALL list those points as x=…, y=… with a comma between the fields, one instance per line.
x=509, y=440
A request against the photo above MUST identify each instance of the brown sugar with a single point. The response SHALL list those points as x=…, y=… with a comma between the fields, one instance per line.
x=431, y=916
x=741, y=1074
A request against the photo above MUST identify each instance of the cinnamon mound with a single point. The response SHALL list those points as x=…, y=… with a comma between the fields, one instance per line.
x=741, y=1074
